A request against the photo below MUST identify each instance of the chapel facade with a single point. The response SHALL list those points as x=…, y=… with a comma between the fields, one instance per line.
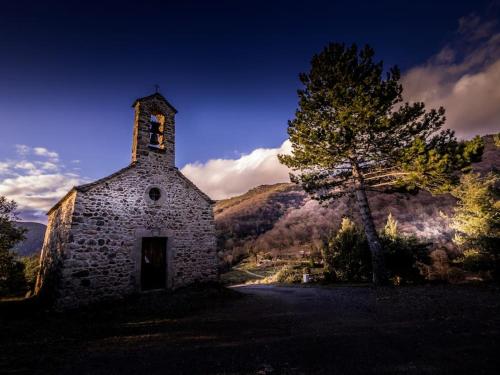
x=145, y=227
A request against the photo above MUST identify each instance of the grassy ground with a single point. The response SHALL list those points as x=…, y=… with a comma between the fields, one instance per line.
x=249, y=272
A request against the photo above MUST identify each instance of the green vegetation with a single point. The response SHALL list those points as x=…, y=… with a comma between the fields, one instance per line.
x=404, y=255
x=12, y=280
x=289, y=274
x=477, y=222
x=496, y=139
x=249, y=271
x=17, y=274
x=346, y=254
x=352, y=133
x=31, y=267
x=344, y=257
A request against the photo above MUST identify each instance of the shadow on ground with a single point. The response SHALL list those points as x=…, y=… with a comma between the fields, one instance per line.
x=265, y=330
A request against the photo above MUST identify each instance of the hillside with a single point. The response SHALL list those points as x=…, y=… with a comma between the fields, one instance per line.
x=282, y=219
x=34, y=238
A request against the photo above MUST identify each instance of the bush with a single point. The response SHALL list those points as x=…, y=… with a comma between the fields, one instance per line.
x=456, y=275
x=289, y=274
x=440, y=265
x=31, y=267
x=476, y=261
x=403, y=254
x=477, y=222
x=12, y=280
x=346, y=255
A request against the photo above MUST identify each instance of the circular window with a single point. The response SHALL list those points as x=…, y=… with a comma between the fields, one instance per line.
x=154, y=194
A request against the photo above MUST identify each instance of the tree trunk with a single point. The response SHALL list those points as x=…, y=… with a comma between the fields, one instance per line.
x=378, y=264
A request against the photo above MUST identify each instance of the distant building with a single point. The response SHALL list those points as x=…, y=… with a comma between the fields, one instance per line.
x=142, y=228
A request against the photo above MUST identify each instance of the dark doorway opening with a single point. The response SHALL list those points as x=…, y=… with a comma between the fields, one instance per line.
x=154, y=263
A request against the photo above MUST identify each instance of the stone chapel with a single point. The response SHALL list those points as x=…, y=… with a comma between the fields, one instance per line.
x=145, y=227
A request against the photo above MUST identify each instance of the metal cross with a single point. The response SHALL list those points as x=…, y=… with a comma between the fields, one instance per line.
x=157, y=88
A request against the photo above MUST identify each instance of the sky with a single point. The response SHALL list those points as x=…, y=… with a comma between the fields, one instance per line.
x=70, y=70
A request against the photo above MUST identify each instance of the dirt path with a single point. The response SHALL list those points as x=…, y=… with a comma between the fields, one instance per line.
x=248, y=272
x=290, y=330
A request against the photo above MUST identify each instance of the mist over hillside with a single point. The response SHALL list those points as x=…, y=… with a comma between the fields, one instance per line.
x=282, y=219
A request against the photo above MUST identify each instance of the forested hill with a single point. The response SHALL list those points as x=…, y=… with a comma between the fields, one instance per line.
x=34, y=238
x=282, y=219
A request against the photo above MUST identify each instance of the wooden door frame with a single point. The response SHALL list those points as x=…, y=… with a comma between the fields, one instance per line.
x=137, y=255
x=160, y=246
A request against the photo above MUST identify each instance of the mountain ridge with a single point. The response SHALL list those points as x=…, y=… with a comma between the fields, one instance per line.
x=282, y=219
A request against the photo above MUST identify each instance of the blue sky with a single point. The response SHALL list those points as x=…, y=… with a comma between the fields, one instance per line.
x=70, y=72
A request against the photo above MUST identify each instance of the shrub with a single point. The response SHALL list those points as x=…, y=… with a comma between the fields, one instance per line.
x=475, y=261
x=289, y=274
x=440, y=265
x=31, y=267
x=496, y=139
x=346, y=254
x=455, y=275
x=12, y=279
x=477, y=222
x=403, y=254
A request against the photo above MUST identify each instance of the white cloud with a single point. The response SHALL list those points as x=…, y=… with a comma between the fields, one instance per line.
x=468, y=88
x=36, y=185
x=26, y=165
x=48, y=166
x=42, y=151
x=4, y=167
x=37, y=192
x=22, y=150
x=223, y=178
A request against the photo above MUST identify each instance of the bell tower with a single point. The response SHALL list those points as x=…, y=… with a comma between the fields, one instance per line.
x=154, y=131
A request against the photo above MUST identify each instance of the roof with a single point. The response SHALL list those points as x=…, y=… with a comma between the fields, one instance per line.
x=156, y=95
x=87, y=187
x=190, y=183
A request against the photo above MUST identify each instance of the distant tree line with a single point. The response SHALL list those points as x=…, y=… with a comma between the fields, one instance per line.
x=17, y=275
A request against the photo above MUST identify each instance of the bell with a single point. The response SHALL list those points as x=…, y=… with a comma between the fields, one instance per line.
x=153, y=140
x=155, y=127
x=154, y=133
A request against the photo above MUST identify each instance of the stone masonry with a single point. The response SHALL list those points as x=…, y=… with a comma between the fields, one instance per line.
x=93, y=243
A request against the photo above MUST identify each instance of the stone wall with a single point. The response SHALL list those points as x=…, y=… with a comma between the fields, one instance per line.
x=94, y=239
x=54, y=250
x=103, y=250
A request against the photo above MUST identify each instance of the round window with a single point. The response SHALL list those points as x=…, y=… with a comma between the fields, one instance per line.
x=154, y=194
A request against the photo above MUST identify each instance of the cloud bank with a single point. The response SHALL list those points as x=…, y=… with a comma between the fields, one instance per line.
x=464, y=78
x=36, y=180
x=223, y=178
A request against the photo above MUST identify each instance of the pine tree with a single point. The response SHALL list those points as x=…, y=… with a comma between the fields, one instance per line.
x=11, y=270
x=477, y=215
x=352, y=133
x=391, y=227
